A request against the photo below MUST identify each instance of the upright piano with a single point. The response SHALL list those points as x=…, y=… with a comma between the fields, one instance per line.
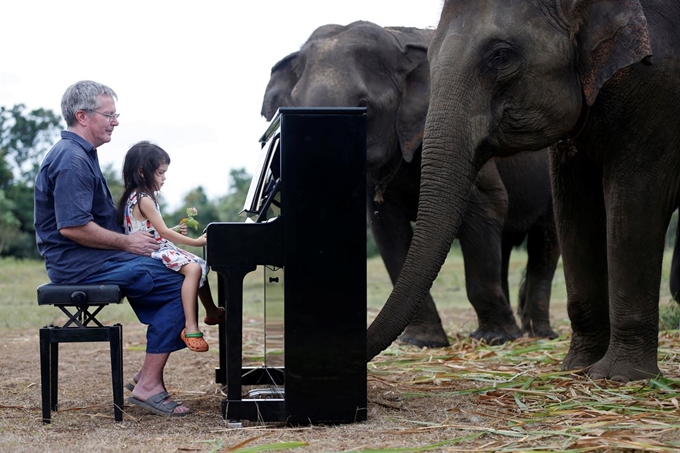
x=307, y=227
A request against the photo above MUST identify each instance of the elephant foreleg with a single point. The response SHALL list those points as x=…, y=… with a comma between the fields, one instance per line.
x=580, y=214
x=392, y=232
x=481, y=253
x=481, y=244
x=635, y=245
x=543, y=254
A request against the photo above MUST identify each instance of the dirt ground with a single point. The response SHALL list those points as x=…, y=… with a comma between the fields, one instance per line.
x=414, y=405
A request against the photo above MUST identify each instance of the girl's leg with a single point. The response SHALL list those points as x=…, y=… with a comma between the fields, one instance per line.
x=205, y=295
x=192, y=275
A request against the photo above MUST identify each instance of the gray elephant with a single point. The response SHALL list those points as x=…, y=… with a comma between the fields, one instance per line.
x=386, y=70
x=576, y=75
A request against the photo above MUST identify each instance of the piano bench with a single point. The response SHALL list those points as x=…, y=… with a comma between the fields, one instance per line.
x=81, y=304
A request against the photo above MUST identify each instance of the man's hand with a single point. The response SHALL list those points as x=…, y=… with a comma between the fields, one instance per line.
x=92, y=235
x=141, y=243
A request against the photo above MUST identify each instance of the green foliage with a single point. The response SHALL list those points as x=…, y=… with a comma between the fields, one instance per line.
x=6, y=176
x=228, y=207
x=10, y=230
x=189, y=220
x=207, y=211
x=114, y=181
x=371, y=246
x=25, y=137
x=669, y=315
x=22, y=244
x=672, y=230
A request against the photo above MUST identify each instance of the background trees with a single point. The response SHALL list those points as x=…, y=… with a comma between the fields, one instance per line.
x=25, y=138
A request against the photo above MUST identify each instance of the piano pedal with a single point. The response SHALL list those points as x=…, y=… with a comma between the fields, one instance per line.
x=267, y=393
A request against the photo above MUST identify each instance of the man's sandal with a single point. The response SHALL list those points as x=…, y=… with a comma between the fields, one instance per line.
x=157, y=405
x=194, y=341
x=131, y=385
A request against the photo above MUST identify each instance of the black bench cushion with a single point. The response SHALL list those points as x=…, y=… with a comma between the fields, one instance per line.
x=51, y=294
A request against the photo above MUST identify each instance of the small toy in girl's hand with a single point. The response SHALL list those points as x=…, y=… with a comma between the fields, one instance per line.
x=189, y=219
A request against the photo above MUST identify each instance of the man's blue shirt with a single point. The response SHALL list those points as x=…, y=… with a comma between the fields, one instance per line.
x=70, y=190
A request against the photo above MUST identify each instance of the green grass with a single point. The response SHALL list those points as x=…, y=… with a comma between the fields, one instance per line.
x=20, y=278
x=18, y=305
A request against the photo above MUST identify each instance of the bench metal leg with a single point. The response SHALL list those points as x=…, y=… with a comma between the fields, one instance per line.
x=54, y=374
x=50, y=337
x=116, y=341
x=45, y=372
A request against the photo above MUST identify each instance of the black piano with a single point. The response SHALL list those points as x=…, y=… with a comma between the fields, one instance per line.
x=307, y=227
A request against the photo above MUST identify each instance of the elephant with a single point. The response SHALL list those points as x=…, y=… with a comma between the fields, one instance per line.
x=576, y=76
x=385, y=69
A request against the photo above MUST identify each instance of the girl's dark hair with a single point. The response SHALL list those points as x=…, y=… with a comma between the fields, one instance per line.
x=141, y=162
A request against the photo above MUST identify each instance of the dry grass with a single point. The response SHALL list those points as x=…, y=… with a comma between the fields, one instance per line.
x=469, y=397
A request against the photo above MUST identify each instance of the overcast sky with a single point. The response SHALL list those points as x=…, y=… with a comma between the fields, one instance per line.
x=190, y=76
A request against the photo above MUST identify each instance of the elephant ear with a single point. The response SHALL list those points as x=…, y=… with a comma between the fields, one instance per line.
x=415, y=96
x=281, y=83
x=612, y=35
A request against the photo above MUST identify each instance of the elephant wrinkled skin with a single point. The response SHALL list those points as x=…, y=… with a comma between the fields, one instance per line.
x=578, y=76
x=386, y=71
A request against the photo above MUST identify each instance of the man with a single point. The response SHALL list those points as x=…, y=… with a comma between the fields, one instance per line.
x=81, y=240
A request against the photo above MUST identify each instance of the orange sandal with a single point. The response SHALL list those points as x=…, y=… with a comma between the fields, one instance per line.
x=194, y=341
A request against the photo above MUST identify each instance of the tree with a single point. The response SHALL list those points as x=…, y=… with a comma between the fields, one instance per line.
x=24, y=140
x=114, y=181
x=9, y=224
x=21, y=195
x=6, y=176
x=229, y=206
x=196, y=198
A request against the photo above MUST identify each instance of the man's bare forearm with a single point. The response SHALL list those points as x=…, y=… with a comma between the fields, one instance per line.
x=94, y=236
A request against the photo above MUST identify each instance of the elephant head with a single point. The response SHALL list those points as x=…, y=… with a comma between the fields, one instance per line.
x=506, y=76
x=361, y=65
x=385, y=70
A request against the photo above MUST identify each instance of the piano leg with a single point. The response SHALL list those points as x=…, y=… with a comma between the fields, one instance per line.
x=230, y=284
x=221, y=371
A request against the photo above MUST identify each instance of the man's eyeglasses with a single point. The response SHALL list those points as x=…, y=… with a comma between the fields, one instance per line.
x=110, y=116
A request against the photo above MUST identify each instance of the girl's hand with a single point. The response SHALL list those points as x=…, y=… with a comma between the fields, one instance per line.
x=181, y=228
x=202, y=239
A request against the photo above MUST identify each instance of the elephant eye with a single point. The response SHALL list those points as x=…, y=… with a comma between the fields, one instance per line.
x=500, y=57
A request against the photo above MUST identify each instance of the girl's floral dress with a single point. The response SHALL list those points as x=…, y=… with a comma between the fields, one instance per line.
x=172, y=256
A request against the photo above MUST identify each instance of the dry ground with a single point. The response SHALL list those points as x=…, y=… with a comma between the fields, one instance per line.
x=468, y=397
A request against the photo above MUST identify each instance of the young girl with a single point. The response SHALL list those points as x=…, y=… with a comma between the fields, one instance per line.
x=143, y=175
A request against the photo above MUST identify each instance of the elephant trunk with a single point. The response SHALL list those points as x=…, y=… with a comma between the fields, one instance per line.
x=447, y=176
